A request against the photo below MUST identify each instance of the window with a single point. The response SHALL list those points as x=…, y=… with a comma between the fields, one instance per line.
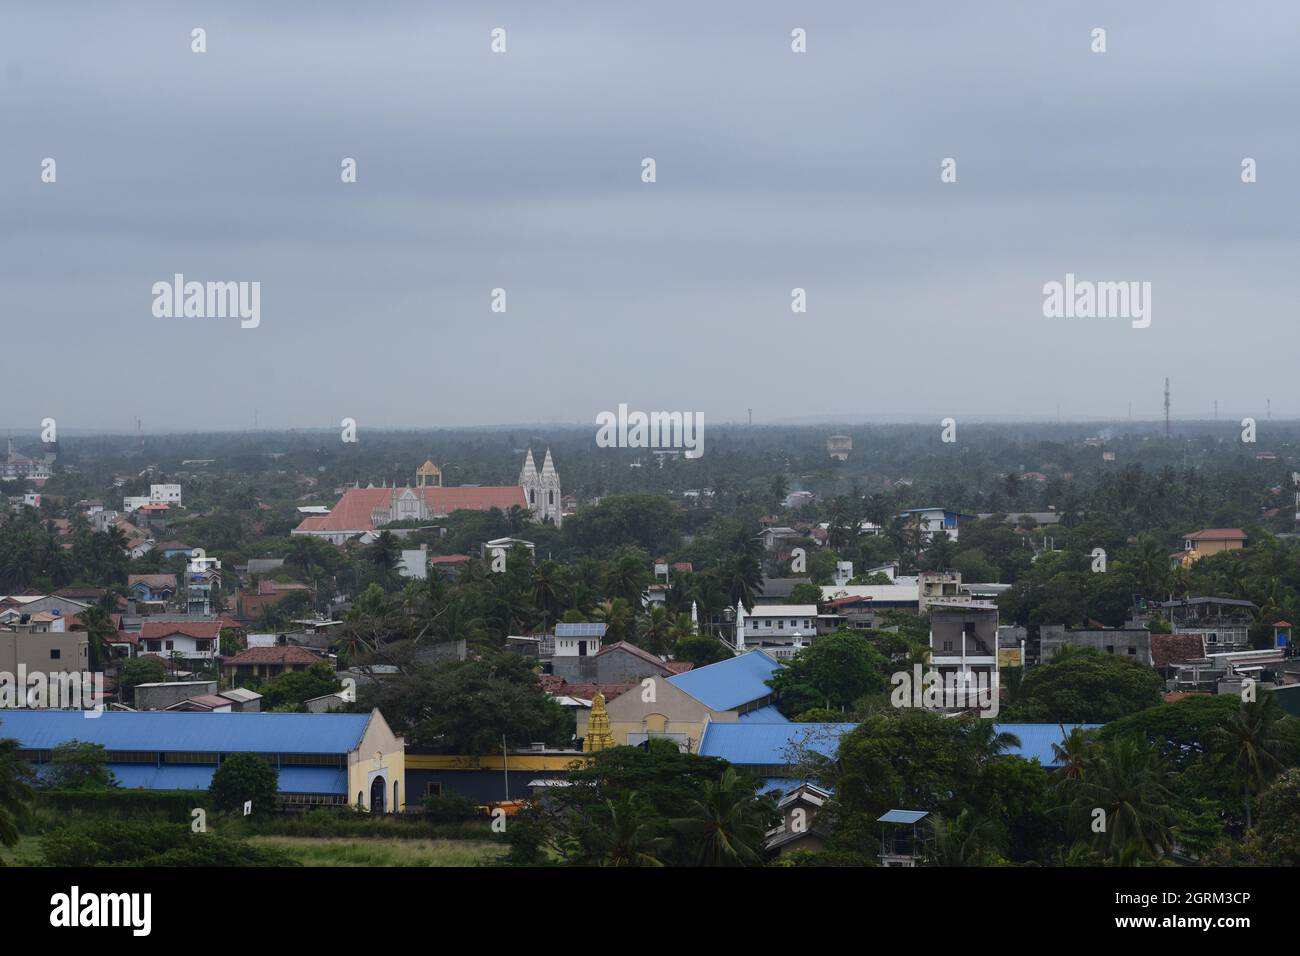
x=1110, y=648
x=1132, y=651
x=55, y=654
x=947, y=645
x=433, y=790
x=171, y=645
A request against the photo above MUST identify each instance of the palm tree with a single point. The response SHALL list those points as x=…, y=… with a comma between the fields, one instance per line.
x=969, y=839
x=1151, y=566
x=15, y=794
x=617, y=616
x=385, y=552
x=1251, y=747
x=989, y=742
x=117, y=539
x=726, y=824
x=653, y=630
x=1129, y=782
x=743, y=578
x=1071, y=756
x=622, y=833
x=627, y=578
x=100, y=630
x=548, y=590
x=679, y=629
x=516, y=519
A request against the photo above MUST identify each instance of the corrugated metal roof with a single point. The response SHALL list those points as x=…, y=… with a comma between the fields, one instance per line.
x=756, y=742
x=765, y=715
x=315, y=780
x=903, y=816
x=180, y=731
x=772, y=743
x=729, y=683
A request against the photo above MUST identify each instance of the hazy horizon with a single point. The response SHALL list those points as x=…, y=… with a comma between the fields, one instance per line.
x=775, y=170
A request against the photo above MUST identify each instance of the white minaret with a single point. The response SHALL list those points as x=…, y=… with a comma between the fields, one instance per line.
x=740, y=627
x=695, y=618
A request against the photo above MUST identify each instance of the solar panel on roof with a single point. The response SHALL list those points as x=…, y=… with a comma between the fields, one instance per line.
x=580, y=630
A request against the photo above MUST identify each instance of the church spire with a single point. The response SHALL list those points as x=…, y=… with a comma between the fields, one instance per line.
x=530, y=468
x=548, y=466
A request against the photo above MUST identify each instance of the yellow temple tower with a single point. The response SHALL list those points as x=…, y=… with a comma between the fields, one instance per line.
x=598, y=735
x=428, y=471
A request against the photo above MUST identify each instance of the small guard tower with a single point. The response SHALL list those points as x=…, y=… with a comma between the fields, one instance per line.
x=902, y=841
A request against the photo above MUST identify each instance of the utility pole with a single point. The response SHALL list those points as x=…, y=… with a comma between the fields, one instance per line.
x=505, y=763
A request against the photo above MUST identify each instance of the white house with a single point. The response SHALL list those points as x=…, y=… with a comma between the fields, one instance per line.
x=934, y=520
x=415, y=562
x=158, y=495
x=165, y=494
x=781, y=630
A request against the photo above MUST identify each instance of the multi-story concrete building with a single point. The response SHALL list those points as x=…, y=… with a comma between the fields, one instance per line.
x=964, y=638
x=780, y=630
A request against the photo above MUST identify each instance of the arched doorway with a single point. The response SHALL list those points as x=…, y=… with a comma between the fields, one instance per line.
x=397, y=802
x=377, y=792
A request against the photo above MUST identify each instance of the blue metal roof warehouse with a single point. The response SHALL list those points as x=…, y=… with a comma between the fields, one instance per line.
x=174, y=750
x=159, y=730
x=729, y=683
x=772, y=745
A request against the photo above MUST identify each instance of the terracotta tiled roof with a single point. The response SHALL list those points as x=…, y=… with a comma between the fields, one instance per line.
x=203, y=630
x=353, y=511
x=449, y=559
x=559, y=687
x=679, y=667
x=631, y=649
x=1169, y=649
x=152, y=580
x=273, y=655
x=1216, y=534
x=277, y=587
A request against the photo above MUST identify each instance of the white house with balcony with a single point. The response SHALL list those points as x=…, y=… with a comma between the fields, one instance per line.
x=780, y=630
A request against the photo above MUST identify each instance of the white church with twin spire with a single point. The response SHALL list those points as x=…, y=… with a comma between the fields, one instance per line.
x=542, y=489
x=361, y=510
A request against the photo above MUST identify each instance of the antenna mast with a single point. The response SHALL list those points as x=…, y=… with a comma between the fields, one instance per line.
x=1166, y=408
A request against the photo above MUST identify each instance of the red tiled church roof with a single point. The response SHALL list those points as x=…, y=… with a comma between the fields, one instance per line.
x=353, y=511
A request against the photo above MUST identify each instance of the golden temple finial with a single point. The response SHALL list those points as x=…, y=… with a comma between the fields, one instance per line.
x=599, y=737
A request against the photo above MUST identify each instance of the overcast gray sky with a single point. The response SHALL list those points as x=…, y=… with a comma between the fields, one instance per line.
x=523, y=171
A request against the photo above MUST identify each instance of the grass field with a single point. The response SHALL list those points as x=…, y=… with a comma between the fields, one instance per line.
x=26, y=852
x=343, y=851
